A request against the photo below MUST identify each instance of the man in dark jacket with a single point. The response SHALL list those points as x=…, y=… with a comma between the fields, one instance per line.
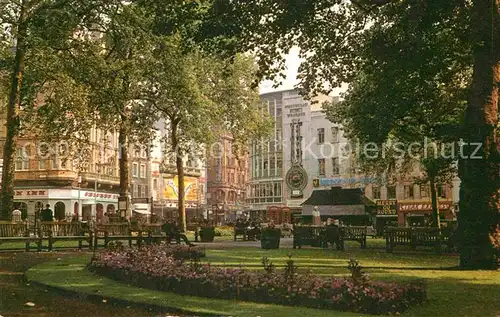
x=172, y=232
x=46, y=214
x=333, y=234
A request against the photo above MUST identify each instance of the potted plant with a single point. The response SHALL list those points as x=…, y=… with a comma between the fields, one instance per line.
x=207, y=234
x=270, y=237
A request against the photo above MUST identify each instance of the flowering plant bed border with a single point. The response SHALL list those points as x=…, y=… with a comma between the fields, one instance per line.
x=155, y=269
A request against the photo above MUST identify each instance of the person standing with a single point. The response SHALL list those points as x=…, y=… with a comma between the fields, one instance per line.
x=47, y=214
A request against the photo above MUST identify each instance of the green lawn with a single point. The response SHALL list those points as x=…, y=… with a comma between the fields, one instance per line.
x=451, y=293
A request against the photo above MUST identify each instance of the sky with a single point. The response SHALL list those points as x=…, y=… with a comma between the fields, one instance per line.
x=292, y=66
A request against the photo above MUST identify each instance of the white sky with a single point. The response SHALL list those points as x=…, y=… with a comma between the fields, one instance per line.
x=292, y=66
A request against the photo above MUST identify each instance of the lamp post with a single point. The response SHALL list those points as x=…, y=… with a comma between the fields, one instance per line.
x=79, y=197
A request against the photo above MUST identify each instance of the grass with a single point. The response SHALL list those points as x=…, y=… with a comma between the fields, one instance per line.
x=70, y=274
x=451, y=293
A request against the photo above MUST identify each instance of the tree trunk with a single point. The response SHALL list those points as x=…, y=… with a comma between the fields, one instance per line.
x=124, y=163
x=436, y=222
x=179, y=164
x=479, y=216
x=13, y=108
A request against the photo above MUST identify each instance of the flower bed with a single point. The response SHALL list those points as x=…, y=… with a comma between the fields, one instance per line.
x=154, y=267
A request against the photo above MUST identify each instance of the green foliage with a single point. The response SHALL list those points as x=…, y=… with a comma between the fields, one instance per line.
x=269, y=267
x=357, y=274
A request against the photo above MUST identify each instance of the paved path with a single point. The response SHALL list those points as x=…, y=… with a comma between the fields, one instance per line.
x=285, y=243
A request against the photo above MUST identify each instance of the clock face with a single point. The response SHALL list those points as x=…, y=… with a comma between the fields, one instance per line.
x=296, y=178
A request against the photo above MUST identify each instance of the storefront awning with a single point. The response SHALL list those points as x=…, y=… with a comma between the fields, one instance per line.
x=142, y=212
x=141, y=209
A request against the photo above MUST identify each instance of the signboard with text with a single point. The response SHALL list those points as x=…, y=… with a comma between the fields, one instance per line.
x=422, y=206
x=387, y=207
x=330, y=182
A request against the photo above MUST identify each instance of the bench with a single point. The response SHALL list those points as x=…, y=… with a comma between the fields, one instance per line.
x=353, y=233
x=115, y=232
x=18, y=232
x=153, y=234
x=414, y=237
x=55, y=231
x=309, y=235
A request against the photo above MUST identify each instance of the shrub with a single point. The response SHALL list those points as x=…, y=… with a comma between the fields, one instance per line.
x=224, y=231
x=156, y=268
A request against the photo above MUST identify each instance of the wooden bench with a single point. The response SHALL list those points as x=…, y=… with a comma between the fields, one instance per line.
x=309, y=235
x=114, y=232
x=353, y=233
x=64, y=231
x=18, y=232
x=153, y=233
x=414, y=237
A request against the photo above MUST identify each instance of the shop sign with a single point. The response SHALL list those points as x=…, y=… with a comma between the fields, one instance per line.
x=329, y=182
x=386, y=207
x=31, y=193
x=100, y=195
x=423, y=206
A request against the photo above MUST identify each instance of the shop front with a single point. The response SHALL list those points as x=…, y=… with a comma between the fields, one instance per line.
x=65, y=202
x=419, y=213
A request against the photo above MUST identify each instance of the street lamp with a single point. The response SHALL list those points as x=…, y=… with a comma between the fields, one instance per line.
x=79, y=198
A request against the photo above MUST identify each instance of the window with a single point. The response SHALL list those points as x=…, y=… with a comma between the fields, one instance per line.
x=321, y=166
x=424, y=191
x=143, y=171
x=55, y=163
x=441, y=191
x=335, y=134
x=376, y=192
x=41, y=164
x=22, y=160
x=408, y=191
x=321, y=135
x=391, y=192
x=135, y=170
x=155, y=184
x=335, y=166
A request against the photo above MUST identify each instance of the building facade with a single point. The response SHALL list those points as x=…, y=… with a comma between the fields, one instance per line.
x=265, y=163
x=166, y=203
x=226, y=181
x=54, y=174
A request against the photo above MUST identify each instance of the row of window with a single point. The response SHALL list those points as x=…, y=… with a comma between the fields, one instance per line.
x=270, y=189
x=138, y=170
x=335, y=133
x=335, y=166
x=409, y=191
x=139, y=191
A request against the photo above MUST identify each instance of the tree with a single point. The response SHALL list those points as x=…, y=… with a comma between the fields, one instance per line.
x=206, y=98
x=334, y=35
x=29, y=31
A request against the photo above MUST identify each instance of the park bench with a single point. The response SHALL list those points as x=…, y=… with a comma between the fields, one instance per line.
x=414, y=237
x=153, y=233
x=353, y=233
x=115, y=232
x=18, y=232
x=240, y=229
x=55, y=231
x=309, y=235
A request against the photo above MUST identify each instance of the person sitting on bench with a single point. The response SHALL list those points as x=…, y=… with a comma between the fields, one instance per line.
x=333, y=234
x=172, y=232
